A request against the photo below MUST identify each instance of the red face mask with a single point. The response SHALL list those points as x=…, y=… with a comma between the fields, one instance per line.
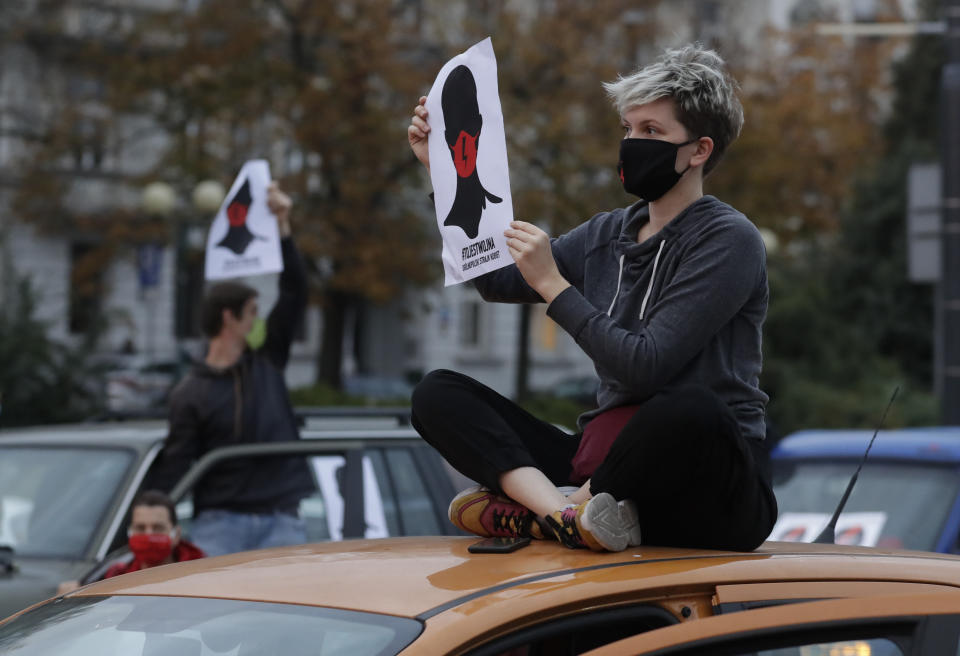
x=150, y=548
x=237, y=214
x=465, y=154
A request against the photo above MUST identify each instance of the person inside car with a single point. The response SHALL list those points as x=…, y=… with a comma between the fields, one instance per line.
x=154, y=538
x=668, y=297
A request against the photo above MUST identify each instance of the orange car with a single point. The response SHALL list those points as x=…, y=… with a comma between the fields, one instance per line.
x=431, y=596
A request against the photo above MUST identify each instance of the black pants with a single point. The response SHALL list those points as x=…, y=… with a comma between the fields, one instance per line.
x=696, y=480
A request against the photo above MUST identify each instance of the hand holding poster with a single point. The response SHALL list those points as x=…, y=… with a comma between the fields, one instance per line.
x=471, y=184
x=243, y=238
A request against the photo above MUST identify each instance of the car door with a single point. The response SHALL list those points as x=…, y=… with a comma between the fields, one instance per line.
x=895, y=625
x=368, y=484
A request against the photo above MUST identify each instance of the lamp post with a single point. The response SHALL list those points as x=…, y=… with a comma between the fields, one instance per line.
x=950, y=161
x=161, y=200
x=191, y=242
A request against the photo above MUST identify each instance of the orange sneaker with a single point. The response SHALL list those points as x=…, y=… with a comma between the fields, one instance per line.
x=482, y=512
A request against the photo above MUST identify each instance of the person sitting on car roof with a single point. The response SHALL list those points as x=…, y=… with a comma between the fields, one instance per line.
x=668, y=297
x=154, y=538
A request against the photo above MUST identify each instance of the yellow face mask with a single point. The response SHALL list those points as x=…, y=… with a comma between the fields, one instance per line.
x=258, y=333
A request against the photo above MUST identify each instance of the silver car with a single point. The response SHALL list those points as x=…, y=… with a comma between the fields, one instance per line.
x=65, y=490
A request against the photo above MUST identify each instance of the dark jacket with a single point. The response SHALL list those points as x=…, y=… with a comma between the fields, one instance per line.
x=246, y=403
x=182, y=552
x=686, y=306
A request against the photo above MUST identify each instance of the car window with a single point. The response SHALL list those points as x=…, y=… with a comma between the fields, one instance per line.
x=863, y=641
x=578, y=633
x=417, y=514
x=893, y=505
x=868, y=647
x=325, y=510
x=52, y=501
x=322, y=511
x=176, y=626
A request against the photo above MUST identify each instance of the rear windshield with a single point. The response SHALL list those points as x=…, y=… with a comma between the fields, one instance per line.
x=893, y=505
x=52, y=500
x=179, y=626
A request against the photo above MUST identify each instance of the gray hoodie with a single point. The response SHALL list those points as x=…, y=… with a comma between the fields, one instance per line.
x=686, y=306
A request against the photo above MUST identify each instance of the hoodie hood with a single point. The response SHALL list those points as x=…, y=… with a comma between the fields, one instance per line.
x=638, y=215
x=202, y=369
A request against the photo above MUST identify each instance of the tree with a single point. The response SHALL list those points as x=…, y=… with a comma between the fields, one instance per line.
x=845, y=325
x=326, y=89
x=41, y=380
x=316, y=86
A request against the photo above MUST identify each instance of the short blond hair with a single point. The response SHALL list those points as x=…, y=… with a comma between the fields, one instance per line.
x=703, y=92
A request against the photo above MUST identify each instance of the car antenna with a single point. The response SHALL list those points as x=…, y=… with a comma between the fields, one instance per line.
x=828, y=535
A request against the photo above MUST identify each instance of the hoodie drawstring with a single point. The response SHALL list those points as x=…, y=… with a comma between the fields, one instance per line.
x=646, y=297
x=619, y=278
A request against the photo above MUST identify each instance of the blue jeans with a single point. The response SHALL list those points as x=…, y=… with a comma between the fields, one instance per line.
x=220, y=532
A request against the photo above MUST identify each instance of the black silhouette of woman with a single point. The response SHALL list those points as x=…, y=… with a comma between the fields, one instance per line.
x=461, y=115
x=238, y=236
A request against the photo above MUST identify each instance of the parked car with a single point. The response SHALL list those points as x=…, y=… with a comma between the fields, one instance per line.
x=580, y=389
x=65, y=492
x=136, y=382
x=432, y=596
x=907, y=496
x=373, y=388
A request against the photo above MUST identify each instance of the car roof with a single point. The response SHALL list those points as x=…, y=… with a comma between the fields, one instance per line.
x=145, y=434
x=138, y=434
x=426, y=577
x=931, y=444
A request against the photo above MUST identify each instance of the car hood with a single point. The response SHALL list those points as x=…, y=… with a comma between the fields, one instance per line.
x=35, y=579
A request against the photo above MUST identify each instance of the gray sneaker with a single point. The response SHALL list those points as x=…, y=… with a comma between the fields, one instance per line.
x=631, y=521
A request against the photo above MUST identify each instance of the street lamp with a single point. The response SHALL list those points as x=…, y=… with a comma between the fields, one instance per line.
x=161, y=200
x=158, y=199
x=207, y=196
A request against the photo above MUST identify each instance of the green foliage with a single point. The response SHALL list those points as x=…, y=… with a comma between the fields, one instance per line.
x=563, y=412
x=42, y=381
x=845, y=325
x=322, y=394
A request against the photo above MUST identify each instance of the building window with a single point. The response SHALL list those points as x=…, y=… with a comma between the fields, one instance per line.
x=544, y=330
x=470, y=324
x=86, y=287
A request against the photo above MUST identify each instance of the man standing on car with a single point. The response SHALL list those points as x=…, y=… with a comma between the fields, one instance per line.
x=238, y=395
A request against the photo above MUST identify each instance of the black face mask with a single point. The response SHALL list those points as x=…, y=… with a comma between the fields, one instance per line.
x=646, y=167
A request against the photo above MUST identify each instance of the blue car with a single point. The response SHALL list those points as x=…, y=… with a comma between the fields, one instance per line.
x=906, y=497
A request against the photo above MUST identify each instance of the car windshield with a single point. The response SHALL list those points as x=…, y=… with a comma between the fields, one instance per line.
x=893, y=505
x=52, y=500
x=180, y=626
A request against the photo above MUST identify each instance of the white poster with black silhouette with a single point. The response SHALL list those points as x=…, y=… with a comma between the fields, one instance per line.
x=244, y=239
x=468, y=165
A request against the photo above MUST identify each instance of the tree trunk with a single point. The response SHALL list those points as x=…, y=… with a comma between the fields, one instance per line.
x=330, y=359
